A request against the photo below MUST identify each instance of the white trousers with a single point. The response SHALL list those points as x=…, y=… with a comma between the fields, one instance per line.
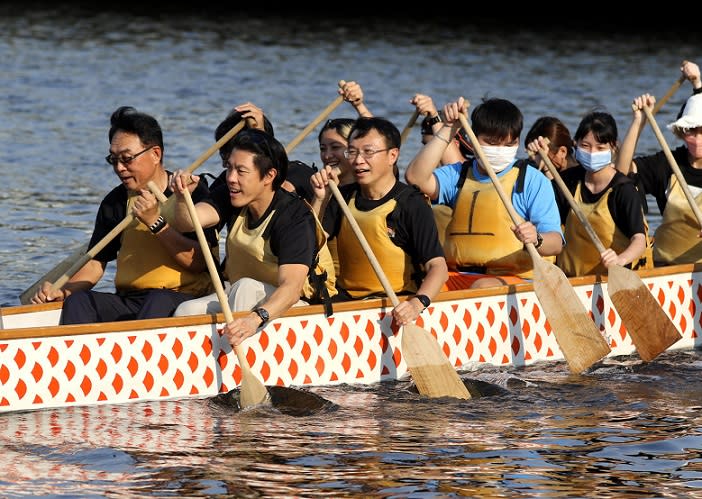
x=244, y=294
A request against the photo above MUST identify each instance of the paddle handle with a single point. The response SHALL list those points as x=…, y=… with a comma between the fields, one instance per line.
x=571, y=201
x=516, y=219
x=364, y=244
x=408, y=126
x=674, y=165
x=671, y=91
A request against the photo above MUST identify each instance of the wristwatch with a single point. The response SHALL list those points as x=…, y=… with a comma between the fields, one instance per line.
x=433, y=120
x=424, y=300
x=539, y=240
x=263, y=314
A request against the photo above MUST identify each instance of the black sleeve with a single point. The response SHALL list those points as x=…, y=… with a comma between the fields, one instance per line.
x=293, y=234
x=653, y=174
x=415, y=229
x=219, y=199
x=112, y=210
x=624, y=205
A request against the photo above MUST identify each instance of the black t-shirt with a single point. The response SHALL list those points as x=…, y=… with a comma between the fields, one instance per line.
x=654, y=172
x=291, y=232
x=624, y=203
x=412, y=220
x=113, y=210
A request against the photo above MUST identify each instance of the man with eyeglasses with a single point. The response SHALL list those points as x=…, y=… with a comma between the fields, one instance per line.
x=394, y=217
x=157, y=267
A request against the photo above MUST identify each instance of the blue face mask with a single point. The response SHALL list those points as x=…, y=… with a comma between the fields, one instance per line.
x=595, y=161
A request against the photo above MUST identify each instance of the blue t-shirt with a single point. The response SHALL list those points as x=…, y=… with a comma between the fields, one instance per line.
x=536, y=203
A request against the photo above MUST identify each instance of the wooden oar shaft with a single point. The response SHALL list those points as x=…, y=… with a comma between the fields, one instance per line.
x=674, y=165
x=326, y=112
x=117, y=230
x=250, y=395
x=408, y=126
x=364, y=244
x=671, y=91
x=92, y=252
x=571, y=201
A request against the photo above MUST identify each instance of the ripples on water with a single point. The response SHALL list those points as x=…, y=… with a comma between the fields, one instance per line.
x=624, y=430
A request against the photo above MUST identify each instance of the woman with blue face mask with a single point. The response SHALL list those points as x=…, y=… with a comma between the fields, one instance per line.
x=609, y=200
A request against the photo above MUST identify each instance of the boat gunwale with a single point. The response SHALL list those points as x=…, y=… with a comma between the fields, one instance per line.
x=347, y=306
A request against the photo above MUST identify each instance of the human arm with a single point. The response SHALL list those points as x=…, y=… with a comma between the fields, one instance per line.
x=84, y=279
x=421, y=168
x=252, y=114
x=536, y=204
x=352, y=93
x=625, y=156
x=291, y=278
x=320, y=186
x=207, y=214
x=406, y=312
x=425, y=107
x=691, y=72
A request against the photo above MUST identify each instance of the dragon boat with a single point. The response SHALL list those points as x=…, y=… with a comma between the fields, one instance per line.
x=45, y=365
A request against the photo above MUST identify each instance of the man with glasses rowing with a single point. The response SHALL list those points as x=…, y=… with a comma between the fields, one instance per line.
x=394, y=217
x=157, y=267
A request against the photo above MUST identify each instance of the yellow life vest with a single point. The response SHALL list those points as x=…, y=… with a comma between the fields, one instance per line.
x=356, y=274
x=580, y=255
x=676, y=238
x=143, y=262
x=249, y=254
x=479, y=233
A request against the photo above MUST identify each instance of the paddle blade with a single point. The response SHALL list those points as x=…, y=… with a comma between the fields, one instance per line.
x=651, y=330
x=431, y=371
x=252, y=391
x=580, y=341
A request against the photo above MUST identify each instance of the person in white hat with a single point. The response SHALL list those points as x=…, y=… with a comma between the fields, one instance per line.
x=677, y=238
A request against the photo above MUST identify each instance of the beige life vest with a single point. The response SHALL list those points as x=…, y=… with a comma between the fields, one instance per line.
x=676, y=238
x=143, y=262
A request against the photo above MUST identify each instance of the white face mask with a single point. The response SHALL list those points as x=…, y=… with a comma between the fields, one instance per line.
x=500, y=157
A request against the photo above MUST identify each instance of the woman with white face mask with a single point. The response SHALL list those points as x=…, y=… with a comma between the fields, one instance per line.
x=677, y=238
x=609, y=200
x=483, y=247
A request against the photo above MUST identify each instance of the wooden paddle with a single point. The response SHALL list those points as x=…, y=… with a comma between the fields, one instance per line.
x=431, y=370
x=408, y=126
x=252, y=390
x=674, y=165
x=651, y=330
x=576, y=334
x=671, y=91
x=326, y=112
x=84, y=258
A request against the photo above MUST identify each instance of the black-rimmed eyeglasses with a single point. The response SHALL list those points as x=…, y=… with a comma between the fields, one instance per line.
x=125, y=160
x=365, y=153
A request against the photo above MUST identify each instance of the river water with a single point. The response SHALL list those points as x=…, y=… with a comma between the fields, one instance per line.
x=625, y=429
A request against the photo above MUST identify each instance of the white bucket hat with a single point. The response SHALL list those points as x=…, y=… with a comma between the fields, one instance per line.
x=691, y=116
